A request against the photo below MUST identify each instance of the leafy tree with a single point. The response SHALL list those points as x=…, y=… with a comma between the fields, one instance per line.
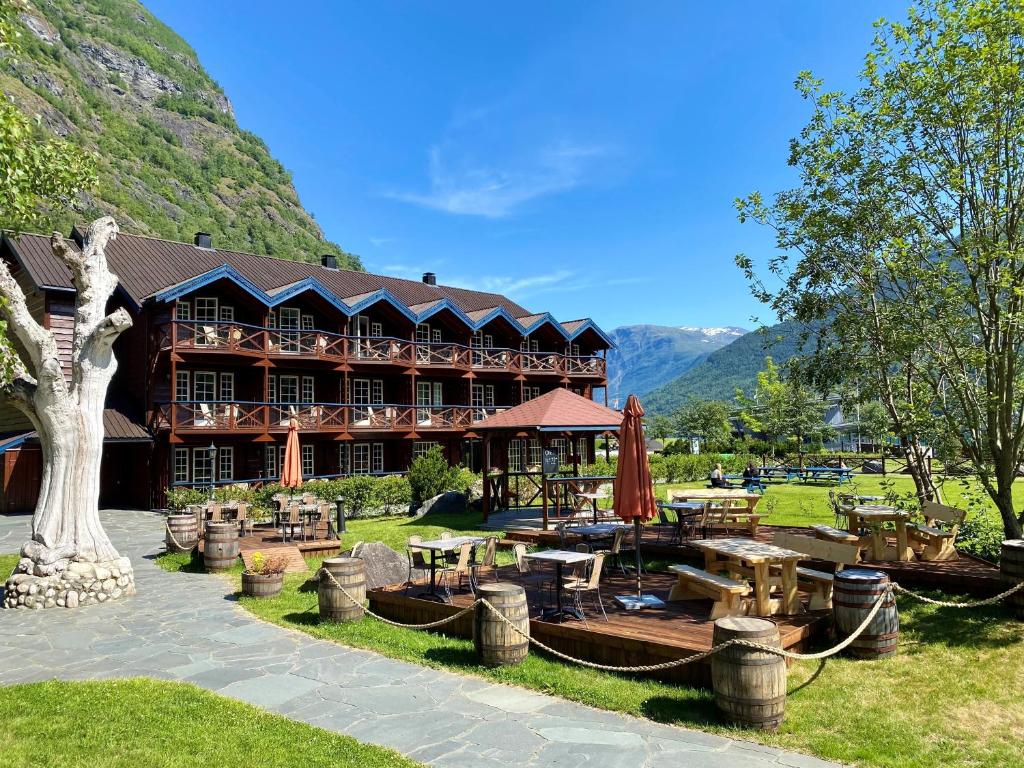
x=783, y=407
x=659, y=427
x=707, y=420
x=873, y=422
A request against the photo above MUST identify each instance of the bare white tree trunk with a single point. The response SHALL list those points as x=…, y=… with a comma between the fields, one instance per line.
x=68, y=416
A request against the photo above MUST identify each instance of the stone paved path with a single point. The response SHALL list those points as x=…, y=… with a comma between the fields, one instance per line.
x=186, y=627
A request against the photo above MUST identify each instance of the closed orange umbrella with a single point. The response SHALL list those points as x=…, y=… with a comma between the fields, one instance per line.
x=291, y=472
x=634, y=490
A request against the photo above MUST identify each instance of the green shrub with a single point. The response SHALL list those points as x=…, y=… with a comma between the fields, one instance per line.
x=358, y=494
x=982, y=536
x=179, y=498
x=394, y=494
x=430, y=475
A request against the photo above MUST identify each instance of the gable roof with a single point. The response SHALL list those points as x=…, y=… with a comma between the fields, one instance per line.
x=557, y=410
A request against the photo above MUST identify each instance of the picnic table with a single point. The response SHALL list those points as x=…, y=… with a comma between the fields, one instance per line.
x=747, y=483
x=560, y=558
x=747, y=558
x=779, y=473
x=734, y=515
x=873, y=516
x=595, y=531
x=445, y=546
x=839, y=474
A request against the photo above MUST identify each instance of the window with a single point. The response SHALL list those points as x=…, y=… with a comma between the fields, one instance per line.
x=183, y=311
x=378, y=391
x=529, y=345
x=574, y=350
x=515, y=455
x=181, y=465
x=581, y=450
x=202, y=466
x=344, y=467
x=227, y=387
x=226, y=463
x=181, y=385
x=289, y=325
x=535, y=453
x=488, y=341
x=272, y=388
x=272, y=319
x=270, y=461
x=205, y=386
x=227, y=313
x=436, y=335
x=206, y=309
x=288, y=389
x=378, y=458
x=361, y=459
x=307, y=322
x=376, y=329
x=422, y=448
x=307, y=461
x=307, y=390
x=422, y=333
x=481, y=398
x=530, y=393
x=360, y=391
x=558, y=444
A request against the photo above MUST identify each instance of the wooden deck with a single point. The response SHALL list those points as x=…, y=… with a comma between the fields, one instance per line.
x=268, y=541
x=968, y=575
x=649, y=636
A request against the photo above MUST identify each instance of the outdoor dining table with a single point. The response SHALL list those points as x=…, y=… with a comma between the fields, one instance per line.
x=873, y=516
x=749, y=558
x=308, y=511
x=593, y=497
x=595, y=531
x=444, y=546
x=687, y=512
x=560, y=558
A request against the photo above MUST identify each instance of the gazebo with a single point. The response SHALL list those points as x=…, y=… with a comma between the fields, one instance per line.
x=558, y=424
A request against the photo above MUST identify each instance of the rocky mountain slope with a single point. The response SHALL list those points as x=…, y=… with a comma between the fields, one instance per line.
x=112, y=78
x=724, y=370
x=647, y=356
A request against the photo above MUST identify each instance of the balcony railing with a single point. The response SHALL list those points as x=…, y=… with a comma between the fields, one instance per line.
x=230, y=337
x=223, y=416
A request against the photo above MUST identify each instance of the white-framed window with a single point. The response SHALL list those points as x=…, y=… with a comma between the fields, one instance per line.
x=226, y=463
x=288, y=322
x=344, y=459
x=307, y=461
x=182, y=390
x=488, y=341
x=271, y=319
x=582, y=445
x=529, y=345
x=227, y=386
x=307, y=323
x=206, y=308
x=272, y=388
x=422, y=447
x=377, y=392
x=534, y=452
x=574, y=350
x=202, y=466
x=377, y=457
x=422, y=333
x=515, y=455
x=360, y=391
x=183, y=310
x=288, y=389
x=270, y=460
x=530, y=393
x=481, y=398
x=205, y=386
x=361, y=459
x=558, y=444
x=308, y=392
x=181, y=465
x=227, y=313
x=435, y=335
x=376, y=329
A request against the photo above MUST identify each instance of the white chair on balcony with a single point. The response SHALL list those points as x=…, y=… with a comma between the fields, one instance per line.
x=208, y=336
x=206, y=417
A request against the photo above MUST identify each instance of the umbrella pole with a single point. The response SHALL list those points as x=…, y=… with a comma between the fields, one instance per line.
x=639, y=535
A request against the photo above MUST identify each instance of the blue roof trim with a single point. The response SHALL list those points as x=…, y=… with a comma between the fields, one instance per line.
x=309, y=284
x=494, y=314
x=382, y=294
x=223, y=272
x=591, y=325
x=547, y=317
x=443, y=304
x=15, y=442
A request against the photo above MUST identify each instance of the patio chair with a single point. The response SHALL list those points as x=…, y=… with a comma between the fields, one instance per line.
x=213, y=512
x=667, y=526
x=589, y=584
x=417, y=562
x=242, y=516
x=459, y=569
x=563, y=539
x=308, y=498
x=324, y=515
x=527, y=576
x=291, y=519
x=615, y=550
x=488, y=561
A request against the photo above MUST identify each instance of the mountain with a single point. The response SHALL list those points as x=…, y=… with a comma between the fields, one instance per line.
x=723, y=371
x=110, y=77
x=647, y=356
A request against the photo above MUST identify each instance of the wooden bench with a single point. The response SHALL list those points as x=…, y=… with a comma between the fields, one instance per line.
x=818, y=584
x=932, y=542
x=837, y=535
x=695, y=584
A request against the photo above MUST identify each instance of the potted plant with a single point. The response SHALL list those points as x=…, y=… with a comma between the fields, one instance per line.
x=265, y=577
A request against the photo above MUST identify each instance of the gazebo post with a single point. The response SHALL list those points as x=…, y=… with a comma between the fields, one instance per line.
x=487, y=476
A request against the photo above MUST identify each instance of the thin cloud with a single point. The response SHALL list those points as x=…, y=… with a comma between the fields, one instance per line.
x=378, y=242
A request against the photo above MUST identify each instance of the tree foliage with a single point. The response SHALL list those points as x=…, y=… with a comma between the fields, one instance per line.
x=707, y=420
x=782, y=407
x=904, y=236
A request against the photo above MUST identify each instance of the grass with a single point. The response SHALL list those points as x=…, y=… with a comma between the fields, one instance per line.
x=128, y=723
x=7, y=563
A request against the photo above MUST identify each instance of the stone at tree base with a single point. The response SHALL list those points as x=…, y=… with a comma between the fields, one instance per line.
x=381, y=564
x=78, y=584
x=450, y=502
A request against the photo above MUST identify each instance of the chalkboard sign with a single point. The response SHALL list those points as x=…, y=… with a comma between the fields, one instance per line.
x=550, y=466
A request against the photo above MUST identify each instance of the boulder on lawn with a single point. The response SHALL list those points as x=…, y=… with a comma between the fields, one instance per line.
x=381, y=564
x=450, y=502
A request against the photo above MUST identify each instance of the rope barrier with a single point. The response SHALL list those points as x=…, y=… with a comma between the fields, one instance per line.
x=950, y=604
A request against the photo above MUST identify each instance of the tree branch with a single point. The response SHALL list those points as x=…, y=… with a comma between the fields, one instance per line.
x=36, y=340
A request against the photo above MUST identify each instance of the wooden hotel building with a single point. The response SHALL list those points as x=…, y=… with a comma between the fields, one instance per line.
x=227, y=347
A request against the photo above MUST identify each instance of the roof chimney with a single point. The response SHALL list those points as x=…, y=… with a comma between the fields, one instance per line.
x=203, y=240
x=329, y=261
x=430, y=278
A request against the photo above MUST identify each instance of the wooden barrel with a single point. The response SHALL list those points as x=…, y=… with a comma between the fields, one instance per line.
x=220, y=547
x=1011, y=569
x=855, y=592
x=182, y=532
x=334, y=605
x=497, y=644
x=749, y=685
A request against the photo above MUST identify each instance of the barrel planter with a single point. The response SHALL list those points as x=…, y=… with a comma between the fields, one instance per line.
x=497, y=644
x=220, y=546
x=182, y=532
x=334, y=605
x=749, y=685
x=855, y=592
x=262, y=584
x=1011, y=569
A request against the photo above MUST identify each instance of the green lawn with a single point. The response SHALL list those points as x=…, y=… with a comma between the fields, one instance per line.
x=130, y=723
x=7, y=563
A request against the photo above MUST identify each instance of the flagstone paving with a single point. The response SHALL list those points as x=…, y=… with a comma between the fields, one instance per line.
x=187, y=627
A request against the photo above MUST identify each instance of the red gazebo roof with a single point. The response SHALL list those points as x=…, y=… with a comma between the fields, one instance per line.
x=558, y=410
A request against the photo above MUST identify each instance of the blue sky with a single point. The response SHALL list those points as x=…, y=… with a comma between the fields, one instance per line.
x=581, y=157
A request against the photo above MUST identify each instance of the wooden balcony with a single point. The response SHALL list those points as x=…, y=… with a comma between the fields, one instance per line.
x=194, y=416
x=231, y=338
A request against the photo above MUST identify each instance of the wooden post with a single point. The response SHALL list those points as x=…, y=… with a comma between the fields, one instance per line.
x=487, y=476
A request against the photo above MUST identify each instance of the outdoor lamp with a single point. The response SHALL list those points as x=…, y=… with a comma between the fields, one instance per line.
x=341, y=516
